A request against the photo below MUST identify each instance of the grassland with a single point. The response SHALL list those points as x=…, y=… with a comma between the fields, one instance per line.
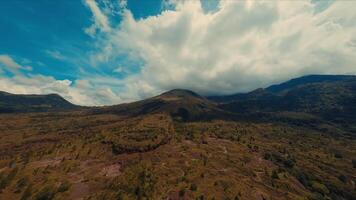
x=76, y=155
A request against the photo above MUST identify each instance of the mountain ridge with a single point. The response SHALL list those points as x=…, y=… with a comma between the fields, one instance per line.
x=286, y=85
x=314, y=94
x=33, y=103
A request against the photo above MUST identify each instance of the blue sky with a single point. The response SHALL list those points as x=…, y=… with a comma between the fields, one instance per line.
x=101, y=52
x=52, y=36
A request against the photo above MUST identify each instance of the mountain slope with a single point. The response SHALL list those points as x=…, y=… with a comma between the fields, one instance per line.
x=283, y=87
x=181, y=104
x=293, y=83
x=33, y=103
x=332, y=100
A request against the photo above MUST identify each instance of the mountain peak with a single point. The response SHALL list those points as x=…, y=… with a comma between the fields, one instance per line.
x=180, y=93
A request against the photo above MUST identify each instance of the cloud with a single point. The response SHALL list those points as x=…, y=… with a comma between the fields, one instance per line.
x=56, y=55
x=240, y=46
x=235, y=46
x=11, y=65
x=9, y=62
x=120, y=69
x=94, y=90
x=122, y=4
x=80, y=92
x=101, y=21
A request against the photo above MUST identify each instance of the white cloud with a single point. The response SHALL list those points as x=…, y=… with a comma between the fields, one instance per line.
x=239, y=47
x=101, y=21
x=122, y=4
x=120, y=69
x=91, y=91
x=81, y=92
x=56, y=55
x=9, y=64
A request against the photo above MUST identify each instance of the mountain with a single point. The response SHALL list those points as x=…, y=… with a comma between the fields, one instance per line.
x=293, y=83
x=33, y=103
x=178, y=103
x=321, y=97
x=282, y=87
x=331, y=97
x=255, y=94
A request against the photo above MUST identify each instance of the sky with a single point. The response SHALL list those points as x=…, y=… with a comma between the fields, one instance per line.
x=105, y=52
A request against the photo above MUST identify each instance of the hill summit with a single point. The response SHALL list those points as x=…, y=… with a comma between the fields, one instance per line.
x=180, y=93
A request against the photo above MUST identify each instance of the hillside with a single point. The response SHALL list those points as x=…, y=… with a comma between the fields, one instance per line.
x=33, y=103
x=332, y=100
x=181, y=104
x=297, y=143
x=293, y=83
x=284, y=87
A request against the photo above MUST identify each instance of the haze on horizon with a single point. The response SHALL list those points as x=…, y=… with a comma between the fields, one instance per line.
x=101, y=52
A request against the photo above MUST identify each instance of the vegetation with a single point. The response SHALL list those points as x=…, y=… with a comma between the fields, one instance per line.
x=180, y=146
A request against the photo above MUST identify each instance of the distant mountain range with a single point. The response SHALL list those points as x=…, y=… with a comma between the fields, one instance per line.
x=331, y=97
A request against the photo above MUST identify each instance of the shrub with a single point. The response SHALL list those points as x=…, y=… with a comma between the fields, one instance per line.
x=22, y=183
x=46, y=193
x=316, y=196
x=193, y=187
x=267, y=156
x=27, y=193
x=274, y=174
x=302, y=177
x=64, y=186
x=342, y=178
x=289, y=162
x=354, y=163
x=338, y=155
x=6, y=180
x=322, y=189
x=181, y=192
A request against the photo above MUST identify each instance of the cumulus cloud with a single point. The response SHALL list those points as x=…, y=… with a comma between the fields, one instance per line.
x=81, y=91
x=240, y=46
x=237, y=46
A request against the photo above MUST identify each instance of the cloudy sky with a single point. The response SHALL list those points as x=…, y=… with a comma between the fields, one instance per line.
x=103, y=52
